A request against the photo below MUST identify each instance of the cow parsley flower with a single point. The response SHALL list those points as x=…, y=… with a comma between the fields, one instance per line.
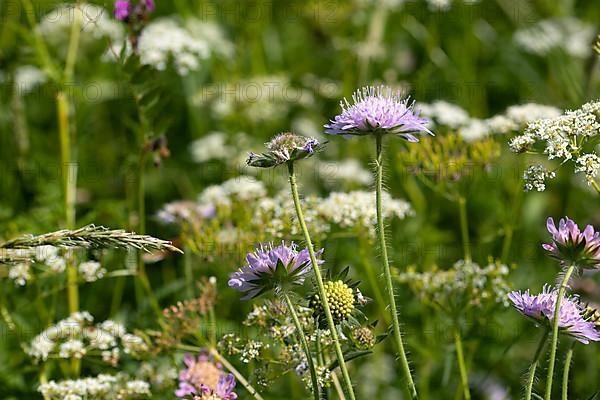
x=272, y=268
x=541, y=308
x=20, y=273
x=535, y=178
x=567, y=34
x=103, y=386
x=91, y=271
x=445, y=113
x=378, y=111
x=589, y=164
x=570, y=245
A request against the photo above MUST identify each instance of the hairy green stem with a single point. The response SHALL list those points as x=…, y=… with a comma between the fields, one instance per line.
x=534, y=364
x=305, y=346
x=464, y=227
x=142, y=277
x=565, y=382
x=464, y=377
x=554, y=342
x=387, y=271
x=320, y=285
x=372, y=278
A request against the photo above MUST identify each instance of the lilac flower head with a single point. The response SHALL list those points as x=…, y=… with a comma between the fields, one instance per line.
x=205, y=379
x=272, y=268
x=149, y=4
x=571, y=245
x=283, y=148
x=571, y=319
x=122, y=9
x=378, y=110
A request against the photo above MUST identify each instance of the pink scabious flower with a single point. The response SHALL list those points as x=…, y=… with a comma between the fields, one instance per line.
x=541, y=307
x=272, y=268
x=378, y=110
x=570, y=245
x=205, y=379
x=122, y=10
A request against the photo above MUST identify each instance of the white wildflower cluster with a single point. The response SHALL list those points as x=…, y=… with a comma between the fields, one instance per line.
x=185, y=44
x=212, y=146
x=20, y=273
x=211, y=33
x=464, y=285
x=324, y=378
x=257, y=99
x=564, y=137
x=45, y=257
x=446, y=5
x=77, y=336
x=566, y=34
x=99, y=387
x=240, y=189
x=91, y=271
x=49, y=256
x=251, y=351
x=27, y=77
x=96, y=24
x=589, y=164
x=184, y=211
x=451, y=116
x=220, y=146
x=356, y=210
x=347, y=173
x=535, y=178
x=444, y=113
x=164, y=40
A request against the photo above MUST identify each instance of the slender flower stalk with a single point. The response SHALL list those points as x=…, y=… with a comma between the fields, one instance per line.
x=534, y=364
x=240, y=378
x=565, y=382
x=554, y=340
x=305, y=346
x=464, y=377
x=320, y=285
x=387, y=271
x=381, y=111
x=464, y=227
x=69, y=166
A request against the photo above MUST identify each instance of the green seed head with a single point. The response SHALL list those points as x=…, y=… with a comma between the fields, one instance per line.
x=340, y=298
x=364, y=337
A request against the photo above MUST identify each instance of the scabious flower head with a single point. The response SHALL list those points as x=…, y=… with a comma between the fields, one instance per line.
x=340, y=298
x=364, y=337
x=378, y=110
x=272, y=268
x=122, y=10
x=571, y=245
x=204, y=379
x=571, y=318
x=283, y=148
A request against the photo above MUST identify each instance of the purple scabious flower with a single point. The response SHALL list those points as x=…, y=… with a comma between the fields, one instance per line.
x=122, y=9
x=149, y=4
x=541, y=307
x=378, y=110
x=205, y=379
x=570, y=245
x=272, y=268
